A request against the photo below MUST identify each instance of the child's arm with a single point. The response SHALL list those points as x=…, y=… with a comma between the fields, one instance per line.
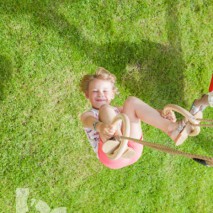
x=89, y=121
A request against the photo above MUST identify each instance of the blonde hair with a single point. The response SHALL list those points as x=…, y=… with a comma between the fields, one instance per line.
x=101, y=73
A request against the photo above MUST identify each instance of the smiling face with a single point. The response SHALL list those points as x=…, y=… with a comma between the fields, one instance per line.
x=100, y=92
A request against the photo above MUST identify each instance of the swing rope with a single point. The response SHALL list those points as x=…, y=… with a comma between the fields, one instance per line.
x=207, y=161
x=209, y=123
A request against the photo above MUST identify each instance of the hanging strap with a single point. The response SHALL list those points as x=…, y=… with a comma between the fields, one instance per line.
x=207, y=161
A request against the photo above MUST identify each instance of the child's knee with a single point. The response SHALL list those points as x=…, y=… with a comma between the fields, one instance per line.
x=130, y=101
x=105, y=108
x=106, y=112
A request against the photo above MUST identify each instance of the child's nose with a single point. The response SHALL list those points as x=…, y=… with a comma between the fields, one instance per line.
x=100, y=93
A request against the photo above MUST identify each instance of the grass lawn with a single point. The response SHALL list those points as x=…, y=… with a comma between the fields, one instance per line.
x=160, y=51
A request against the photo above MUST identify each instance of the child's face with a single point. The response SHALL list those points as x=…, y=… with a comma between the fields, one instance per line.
x=100, y=92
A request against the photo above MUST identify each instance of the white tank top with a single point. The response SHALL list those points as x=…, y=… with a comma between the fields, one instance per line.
x=92, y=135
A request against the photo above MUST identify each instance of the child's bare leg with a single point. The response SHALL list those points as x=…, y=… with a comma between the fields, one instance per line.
x=138, y=111
x=107, y=114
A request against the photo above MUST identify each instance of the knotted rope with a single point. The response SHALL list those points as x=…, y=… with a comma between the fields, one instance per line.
x=207, y=161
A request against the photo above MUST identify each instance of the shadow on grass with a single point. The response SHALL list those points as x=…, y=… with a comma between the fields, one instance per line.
x=150, y=70
x=5, y=74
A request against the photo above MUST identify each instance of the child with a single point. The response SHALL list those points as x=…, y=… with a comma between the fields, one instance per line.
x=100, y=90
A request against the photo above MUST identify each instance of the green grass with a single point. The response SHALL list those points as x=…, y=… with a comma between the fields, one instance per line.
x=160, y=51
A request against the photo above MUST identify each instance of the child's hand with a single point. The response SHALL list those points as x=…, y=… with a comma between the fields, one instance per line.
x=170, y=115
x=106, y=131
